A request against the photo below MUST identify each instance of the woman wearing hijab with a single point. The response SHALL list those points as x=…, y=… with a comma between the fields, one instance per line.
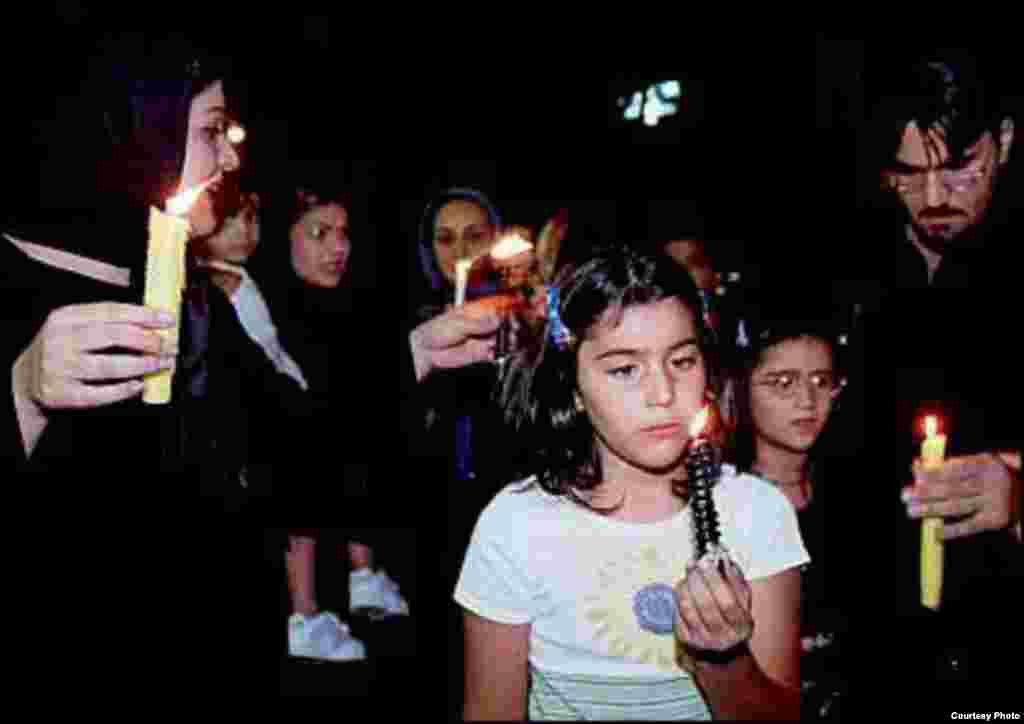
x=77, y=347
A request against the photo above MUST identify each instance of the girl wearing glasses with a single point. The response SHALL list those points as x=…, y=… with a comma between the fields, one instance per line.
x=786, y=383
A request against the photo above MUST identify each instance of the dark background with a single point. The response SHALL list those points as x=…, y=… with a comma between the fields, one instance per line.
x=766, y=144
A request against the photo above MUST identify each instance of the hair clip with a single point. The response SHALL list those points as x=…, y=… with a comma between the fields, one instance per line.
x=742, y=340
x=561, y=336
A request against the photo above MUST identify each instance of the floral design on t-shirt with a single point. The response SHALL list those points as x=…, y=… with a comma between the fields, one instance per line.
x=628, y=612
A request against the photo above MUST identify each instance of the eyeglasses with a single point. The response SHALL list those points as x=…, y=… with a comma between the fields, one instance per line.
x=784, y=385
x=914, y=184
x=231, y=131
x=319, y=231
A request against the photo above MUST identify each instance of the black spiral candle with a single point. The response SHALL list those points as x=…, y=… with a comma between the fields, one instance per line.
x=703, y=470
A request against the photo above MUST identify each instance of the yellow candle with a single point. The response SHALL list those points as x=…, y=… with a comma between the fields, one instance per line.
x=933, y=452
x=165, y=280
x=165, y=277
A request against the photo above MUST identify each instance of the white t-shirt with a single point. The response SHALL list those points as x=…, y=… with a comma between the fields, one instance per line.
x=593, y=590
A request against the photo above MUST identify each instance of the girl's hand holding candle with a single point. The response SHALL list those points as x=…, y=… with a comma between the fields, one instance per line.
x=714, y=597
x=714, y=611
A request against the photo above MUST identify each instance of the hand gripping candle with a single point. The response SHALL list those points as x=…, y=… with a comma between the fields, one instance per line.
x=165, y=278
x=933, y=451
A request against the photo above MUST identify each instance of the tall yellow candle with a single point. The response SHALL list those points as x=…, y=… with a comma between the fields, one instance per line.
x=933, y=452
x=165, y=278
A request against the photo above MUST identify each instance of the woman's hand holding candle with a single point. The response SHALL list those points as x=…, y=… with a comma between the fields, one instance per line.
x=56, y=369
x=459, y=337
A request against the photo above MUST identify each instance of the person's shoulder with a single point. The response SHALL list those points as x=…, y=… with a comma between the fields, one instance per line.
x=521, y=495
x=747, y=491
x=517, y=502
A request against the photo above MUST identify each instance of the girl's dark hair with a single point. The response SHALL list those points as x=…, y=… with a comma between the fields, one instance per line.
x=310, y=196
x=280, y=208
x=538, y=388
x=763, y=327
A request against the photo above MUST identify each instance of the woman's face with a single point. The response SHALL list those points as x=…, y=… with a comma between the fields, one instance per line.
x=238, y=237
x=462, y=229
x=321, y=245
x=641, y=383
x=207, y=153
x=792, y=390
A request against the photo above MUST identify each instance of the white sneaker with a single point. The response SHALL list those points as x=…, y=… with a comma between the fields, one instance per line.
x=323, y=637
x=376, y=595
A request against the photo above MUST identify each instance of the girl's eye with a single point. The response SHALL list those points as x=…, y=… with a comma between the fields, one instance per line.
x=624, y=372
x=823, y=382
x=783, y=382
x=685, y=363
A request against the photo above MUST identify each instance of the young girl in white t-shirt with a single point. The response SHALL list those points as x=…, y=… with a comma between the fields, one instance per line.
x=580, y=594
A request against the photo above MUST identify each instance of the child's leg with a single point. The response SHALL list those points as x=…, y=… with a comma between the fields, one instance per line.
x=300, y=560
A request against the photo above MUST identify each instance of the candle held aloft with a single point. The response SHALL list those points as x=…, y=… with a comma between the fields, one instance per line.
x=933, y=452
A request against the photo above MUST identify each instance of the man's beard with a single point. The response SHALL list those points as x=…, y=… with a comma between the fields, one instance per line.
x=946, y=240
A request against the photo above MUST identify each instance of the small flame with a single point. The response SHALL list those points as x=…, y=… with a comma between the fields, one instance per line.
x=181, y=203
x=511, y=246
x=931, y=426
x=699, y=421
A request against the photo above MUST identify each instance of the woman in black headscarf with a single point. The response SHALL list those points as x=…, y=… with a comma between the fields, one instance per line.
x=79, y=342
x=158, y=137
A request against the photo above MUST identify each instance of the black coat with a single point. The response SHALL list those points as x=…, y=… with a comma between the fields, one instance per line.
x=948, y=347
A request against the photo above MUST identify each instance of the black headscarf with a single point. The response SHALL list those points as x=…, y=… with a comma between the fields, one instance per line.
x=438, y=290
x=117, y=147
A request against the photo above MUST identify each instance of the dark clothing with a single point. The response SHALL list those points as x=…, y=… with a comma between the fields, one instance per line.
x=824, y=622
x=208, y=438
x=129, y=475
x=948, y=349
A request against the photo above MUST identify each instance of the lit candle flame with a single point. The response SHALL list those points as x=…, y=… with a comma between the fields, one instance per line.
x=510, y=246
x=697, y=426
x=931, y=426
x=181, y=203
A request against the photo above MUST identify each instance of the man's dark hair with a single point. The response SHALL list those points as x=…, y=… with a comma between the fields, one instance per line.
x=953, y=89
